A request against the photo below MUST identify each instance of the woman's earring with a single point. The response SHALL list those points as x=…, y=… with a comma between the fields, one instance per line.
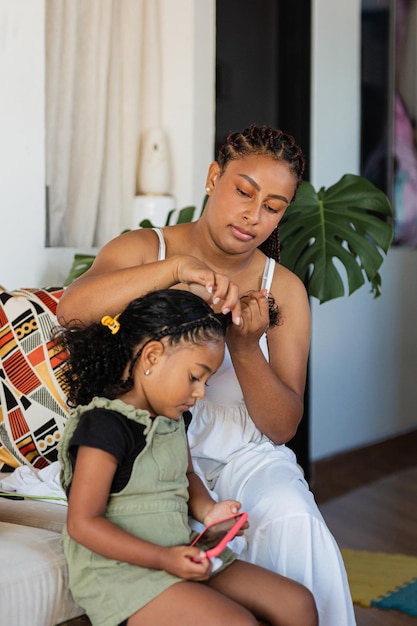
x=208, y=189
x=147, y=372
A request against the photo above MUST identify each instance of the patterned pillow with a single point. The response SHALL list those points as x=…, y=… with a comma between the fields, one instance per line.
x=32, y=400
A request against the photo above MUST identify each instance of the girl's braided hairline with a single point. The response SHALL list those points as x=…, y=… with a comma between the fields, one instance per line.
x=178, y=331
x=96, y=355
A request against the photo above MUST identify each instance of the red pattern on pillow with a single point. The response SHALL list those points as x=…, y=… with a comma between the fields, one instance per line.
x=33, y=407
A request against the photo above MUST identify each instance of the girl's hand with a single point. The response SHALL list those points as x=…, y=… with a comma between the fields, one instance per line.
x=186, y=562
x=222, y=509
x=216, y=289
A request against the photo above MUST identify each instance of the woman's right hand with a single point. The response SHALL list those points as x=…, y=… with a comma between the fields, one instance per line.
x=186, y=562
x=215, y=288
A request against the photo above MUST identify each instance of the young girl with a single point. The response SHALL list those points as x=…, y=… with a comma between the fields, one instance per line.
x=255, y=400
x=130, y=482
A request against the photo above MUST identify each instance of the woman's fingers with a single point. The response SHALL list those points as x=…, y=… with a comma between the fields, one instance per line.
x=255, y=311
x=226, y=295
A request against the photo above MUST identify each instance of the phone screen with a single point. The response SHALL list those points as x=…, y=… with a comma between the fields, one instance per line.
x=214, y=538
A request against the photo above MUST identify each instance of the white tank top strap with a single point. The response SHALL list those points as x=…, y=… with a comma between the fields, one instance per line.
x=162, y=246
x=268, y=269
x=268, y=274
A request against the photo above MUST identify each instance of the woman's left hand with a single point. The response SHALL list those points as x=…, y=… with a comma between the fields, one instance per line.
x=254, y=319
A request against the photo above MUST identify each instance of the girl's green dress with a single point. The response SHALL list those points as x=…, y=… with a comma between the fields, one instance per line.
x=153, y=506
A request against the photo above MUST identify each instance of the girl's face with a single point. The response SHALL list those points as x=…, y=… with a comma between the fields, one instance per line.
x=176, y=378
x=248, y=200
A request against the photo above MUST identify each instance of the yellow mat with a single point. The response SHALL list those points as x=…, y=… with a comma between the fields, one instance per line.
x=381, y=579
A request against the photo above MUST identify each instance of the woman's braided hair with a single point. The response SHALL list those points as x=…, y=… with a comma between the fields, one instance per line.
x=97, y=359
x=264, y=140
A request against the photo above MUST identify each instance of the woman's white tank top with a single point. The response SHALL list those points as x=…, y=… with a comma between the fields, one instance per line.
x=221, y=427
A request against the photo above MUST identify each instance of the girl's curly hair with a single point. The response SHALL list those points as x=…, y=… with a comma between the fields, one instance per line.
x=97, y=359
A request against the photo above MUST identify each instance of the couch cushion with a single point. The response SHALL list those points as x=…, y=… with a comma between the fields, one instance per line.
x=32, y=401
x=34, y=584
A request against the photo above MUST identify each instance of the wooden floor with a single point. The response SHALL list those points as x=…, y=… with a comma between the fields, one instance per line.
x=375, y=507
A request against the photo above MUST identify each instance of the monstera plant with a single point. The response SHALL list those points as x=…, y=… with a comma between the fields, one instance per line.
x=351, y=221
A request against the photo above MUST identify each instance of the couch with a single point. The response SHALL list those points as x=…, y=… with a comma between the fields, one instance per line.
x=33, y=577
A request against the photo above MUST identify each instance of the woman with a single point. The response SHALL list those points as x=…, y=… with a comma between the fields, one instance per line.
x=255, y=401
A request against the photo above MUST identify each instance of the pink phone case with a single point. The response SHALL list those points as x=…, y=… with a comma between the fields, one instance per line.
x=218, y=548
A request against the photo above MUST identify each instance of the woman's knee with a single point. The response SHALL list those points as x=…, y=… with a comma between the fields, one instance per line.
x=274, y=496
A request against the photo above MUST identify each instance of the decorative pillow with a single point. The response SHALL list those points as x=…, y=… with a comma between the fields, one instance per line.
x=32, y=400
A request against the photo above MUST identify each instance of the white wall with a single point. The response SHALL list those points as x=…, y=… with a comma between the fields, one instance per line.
x=188, y=116
x=22, y=139
x=364, y=351
x=364, y=362
x=188, y=93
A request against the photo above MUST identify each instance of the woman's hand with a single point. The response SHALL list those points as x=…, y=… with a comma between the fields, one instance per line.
x=186, y=562
x=255, y=321
x=216, y=289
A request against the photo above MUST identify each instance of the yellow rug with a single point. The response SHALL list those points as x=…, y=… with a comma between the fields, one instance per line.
x=382, y=580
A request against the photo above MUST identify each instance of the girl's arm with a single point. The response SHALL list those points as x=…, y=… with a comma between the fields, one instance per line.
x=86, y=524
x=201, y=505
x=274, y=390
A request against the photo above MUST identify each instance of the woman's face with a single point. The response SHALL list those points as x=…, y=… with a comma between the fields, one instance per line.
x=177, y=377
x=248, y=200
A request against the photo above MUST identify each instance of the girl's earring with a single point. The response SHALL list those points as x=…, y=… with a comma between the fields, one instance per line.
x=208, y=189
x=147, y=372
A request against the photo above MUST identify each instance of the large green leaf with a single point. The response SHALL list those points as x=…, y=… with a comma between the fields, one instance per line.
x=81, y=263
x=349, y=221
x=186, y=215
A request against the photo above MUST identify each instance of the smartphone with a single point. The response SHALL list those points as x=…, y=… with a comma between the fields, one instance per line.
x=220, y=533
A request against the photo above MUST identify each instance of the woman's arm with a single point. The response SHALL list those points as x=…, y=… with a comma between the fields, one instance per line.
x=123, y=269
x=274, y=390
x=126, y=268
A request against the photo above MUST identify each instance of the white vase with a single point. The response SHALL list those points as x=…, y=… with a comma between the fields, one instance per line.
x=155, y=208
x=154, y=172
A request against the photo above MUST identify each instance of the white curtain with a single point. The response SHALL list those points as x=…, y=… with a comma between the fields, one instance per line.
x=96, y=106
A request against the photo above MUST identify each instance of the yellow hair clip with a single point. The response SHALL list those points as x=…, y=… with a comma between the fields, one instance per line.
x=111, y=322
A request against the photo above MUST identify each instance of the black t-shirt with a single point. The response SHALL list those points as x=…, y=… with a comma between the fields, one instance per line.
x=114, y=433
